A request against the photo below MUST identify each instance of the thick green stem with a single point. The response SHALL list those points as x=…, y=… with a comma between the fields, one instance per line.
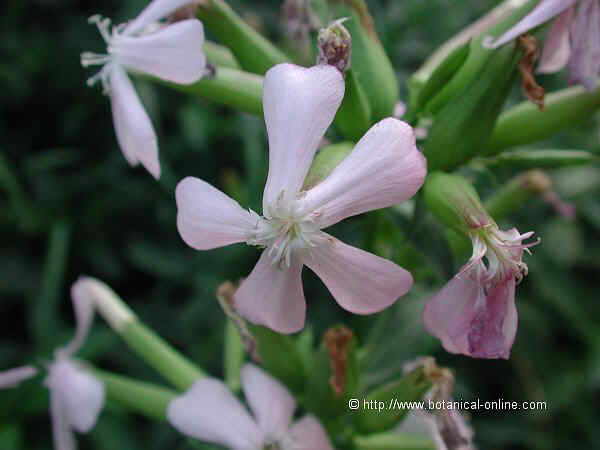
x=138, y=396
x=235, y=88
x=525, y=123
x=253, y=52
x=218, y=55
x=167, y=361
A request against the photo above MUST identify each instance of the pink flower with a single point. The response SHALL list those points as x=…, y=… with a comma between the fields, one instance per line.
x=385, y=168
x=173, y=53
x=475, y=313
x=210, y=412
x=573, y=39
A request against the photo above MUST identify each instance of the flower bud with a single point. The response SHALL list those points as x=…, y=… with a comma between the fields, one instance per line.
x=326, y=160
x=335, y=46
x=376, y=71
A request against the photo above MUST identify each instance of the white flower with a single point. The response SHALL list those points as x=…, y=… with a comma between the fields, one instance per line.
x=173, y=53
x=385, y=168
x=210, y=412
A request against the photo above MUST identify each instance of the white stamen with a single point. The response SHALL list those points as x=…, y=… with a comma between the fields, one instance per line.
x=284, y=231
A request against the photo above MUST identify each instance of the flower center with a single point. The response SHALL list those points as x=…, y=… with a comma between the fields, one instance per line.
x=283, y=231
x=101, y=59
x=503, y=252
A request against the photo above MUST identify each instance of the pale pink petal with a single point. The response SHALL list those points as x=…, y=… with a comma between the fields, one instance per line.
x=83, y=305
x=132, y=125
x=207, y=218
x=385, y=168
x=62, y=434
x=557, y=47
x=272, y=404
x=448, y=314
x=359, y=281
x=309, y=434
x=81, y=395
x=157, y=9
x=299, y=105
x=13, y=377
x=273, y=296
x=584, y=64
x=210, y=412
x=173, y=53
x=471, y=320
x=545, y=11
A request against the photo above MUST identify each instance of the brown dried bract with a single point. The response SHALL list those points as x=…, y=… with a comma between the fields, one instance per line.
x=532, y=90
x=337, y=341
x=185, y=12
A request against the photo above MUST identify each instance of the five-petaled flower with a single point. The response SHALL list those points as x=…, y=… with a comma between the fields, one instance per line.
x=573, y=40
x=172, y=53
x=210, y=412
x=385, y=168
x=475, y=313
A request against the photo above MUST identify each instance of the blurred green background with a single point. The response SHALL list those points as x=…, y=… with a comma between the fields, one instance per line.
x=70, y=205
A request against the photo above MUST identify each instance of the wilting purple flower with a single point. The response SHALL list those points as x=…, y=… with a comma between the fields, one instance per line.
x=573, y=39
x=385, y=168
x=475, y=313
x=210, y=412
x=13, y=377
x=173, y=53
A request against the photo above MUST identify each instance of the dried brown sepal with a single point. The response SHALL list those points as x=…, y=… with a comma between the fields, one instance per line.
x=532, y=90
x=225, y=293
x=337, y=342
x=185, y=12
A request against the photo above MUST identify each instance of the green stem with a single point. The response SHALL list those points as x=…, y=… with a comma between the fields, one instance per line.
x=218, y=55
x=167, y=361
x=525, y=123
x=254, y=52
x=145, y=398
x=493, y=17
x=516, y=193
x=231, y=87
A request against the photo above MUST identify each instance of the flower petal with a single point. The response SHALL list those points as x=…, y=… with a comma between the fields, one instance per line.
x=309, y=434
x=173, y=53
x=273, y=296
x=385, y=168
x=80, y=394
x=157, y=9
x=299, y=105
x=584, y=64
x=62, y=434
x=207, y=218
x=209, y=411
x=132, y=125
x=360, y=282
x=546, y=10
x=471, y=321
x=557, y=47
x=83, y=305
x=13, y=377
x=272, y=404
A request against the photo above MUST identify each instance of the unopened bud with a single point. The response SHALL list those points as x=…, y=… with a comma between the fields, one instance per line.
x=335, y=46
